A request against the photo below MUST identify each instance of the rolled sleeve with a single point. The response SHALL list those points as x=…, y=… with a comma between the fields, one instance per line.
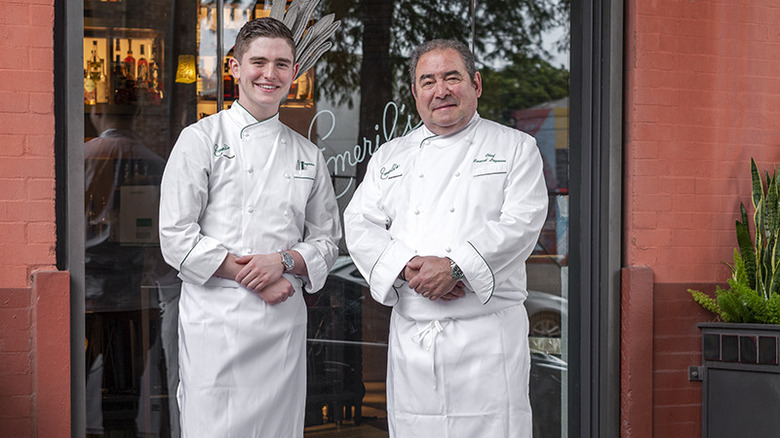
x=385, y=272
x=476, y=271
x=316, y=266
x=202, y=261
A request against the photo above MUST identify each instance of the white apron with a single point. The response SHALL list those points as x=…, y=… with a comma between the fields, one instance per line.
x=459, y=378
x=242, y=364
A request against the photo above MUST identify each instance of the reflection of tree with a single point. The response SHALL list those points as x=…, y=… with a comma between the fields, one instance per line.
x=526, y=82
x=376, y=36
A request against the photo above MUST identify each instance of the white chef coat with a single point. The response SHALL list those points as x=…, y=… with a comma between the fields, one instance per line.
x=235, y=184
x=478, y=197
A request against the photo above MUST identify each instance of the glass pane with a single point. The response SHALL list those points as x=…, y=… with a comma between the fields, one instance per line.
x=133, y=111
x=157, y=68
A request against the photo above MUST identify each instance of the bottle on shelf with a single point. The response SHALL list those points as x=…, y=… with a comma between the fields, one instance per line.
x=142, y=72
x=96, y=72
x=90, y=96
x=117, y=77
x=129, y=62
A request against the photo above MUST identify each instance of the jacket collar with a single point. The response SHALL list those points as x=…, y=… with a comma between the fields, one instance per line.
x=249, y=123
x=448, y=139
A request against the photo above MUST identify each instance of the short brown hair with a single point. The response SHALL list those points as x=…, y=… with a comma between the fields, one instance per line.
x=266, y=27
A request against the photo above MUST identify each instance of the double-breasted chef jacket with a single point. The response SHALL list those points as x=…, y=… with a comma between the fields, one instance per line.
x=239, y=185
x=477, y=196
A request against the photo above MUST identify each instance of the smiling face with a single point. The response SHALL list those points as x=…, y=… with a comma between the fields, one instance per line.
x=264, y=72
x=446, y=97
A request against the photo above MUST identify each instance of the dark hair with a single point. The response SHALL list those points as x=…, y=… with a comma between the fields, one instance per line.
x=266, y=27
x=465, y=54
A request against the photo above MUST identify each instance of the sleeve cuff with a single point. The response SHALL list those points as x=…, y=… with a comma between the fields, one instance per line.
x=316, y=267
x=202, y=261
x=384, y=273
x=476, y=269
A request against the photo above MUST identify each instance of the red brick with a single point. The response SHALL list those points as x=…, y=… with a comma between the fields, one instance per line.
x=12, y=232
x=41, y=58
x=33, y=167
x=12, y=189
x=40, y=189
x=36, y=211
x=15, y=14
x=44, y=232
x=15, y=362
x=675, y=396
x=14, y=102
x=15, y=319
x=40, y=145
x=26, y=81
x=19, y=406
x=27, y=123
x=15, y=385
x=14, y=297
x=41, y=103
x=15, y=341
x=42, y=15
x=17, y=427
x=13, y=274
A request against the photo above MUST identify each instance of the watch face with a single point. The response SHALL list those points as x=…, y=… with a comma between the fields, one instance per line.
x=288, y=261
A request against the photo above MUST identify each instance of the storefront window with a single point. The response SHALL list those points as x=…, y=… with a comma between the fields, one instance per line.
x=153, y=67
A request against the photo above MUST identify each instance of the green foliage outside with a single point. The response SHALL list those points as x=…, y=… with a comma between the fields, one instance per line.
x=754, y=287
x=526, y=82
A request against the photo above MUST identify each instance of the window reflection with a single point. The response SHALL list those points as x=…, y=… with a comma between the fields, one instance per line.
x=134, y=111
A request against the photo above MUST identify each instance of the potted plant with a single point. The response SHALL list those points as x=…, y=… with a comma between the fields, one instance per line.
x=740, y=371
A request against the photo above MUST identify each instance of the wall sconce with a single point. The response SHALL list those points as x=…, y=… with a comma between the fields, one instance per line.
x=185, y=71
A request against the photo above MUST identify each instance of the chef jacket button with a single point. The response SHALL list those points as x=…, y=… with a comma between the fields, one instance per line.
x=422, y=175
x=249, y=251
x=284, y=141
x=457, y=173
x=415, y=251
x=250, y=170
x=287, y=175
x=448, y=249
x=417, y=212
x=452, y=209
x=250, y=209
x=286, y=213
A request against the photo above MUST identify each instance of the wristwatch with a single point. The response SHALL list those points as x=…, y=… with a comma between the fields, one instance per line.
x=455, y=270
x=287, y=261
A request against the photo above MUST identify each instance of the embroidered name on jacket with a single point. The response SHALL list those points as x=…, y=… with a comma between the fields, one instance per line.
x=385, y=173
x=222, y=151
x=489, y=158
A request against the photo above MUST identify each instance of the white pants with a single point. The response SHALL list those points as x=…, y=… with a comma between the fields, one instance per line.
x=462, y=378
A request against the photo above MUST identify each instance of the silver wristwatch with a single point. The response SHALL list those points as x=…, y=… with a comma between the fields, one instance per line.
x=455, y=270
x=287, y=261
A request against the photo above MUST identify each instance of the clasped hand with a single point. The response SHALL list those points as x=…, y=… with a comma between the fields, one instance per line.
x=261, y=273
x=430, y=277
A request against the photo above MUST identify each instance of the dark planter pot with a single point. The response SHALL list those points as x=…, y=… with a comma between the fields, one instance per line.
x=741, y=380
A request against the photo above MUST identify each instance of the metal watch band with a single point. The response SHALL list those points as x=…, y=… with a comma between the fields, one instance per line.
x=287, y=261
x=455, y=270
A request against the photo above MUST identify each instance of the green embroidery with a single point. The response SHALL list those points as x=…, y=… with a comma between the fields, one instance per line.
x=222, y=151
x=489, y=158
x=385, y=174
x=301, y=165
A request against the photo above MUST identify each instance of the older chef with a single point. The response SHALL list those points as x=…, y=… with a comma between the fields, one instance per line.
x=441, y=227
x=249, y=218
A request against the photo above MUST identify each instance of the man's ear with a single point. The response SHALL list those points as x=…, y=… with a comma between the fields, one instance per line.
x=234, y=67
x=414, y=91
x=478, y=84
x=295, y=69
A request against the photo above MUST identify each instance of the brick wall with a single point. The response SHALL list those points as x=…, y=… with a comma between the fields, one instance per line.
x=702, y=96
x=27, y=225
x=27, y=229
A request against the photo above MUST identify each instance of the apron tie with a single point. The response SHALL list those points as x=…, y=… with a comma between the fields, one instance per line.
x=430, y=331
